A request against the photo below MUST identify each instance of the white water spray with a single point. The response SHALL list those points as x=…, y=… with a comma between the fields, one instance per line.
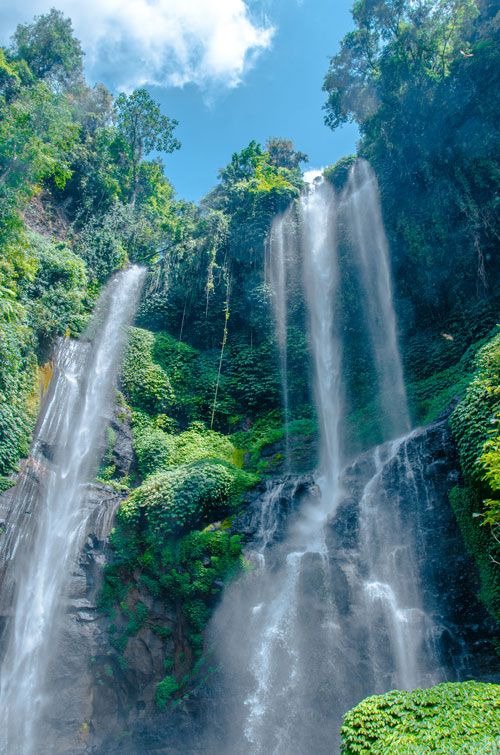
x=48, y=523
x=279, y=243
x=361, y=203
x=321, y=277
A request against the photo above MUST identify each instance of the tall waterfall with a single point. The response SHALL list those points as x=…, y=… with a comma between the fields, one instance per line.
x=46, y=527
x=361, y=203
x=321, y=276
x=278, y=245
x=332, y=610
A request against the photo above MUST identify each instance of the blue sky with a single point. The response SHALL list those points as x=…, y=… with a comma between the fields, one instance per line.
x=228, y=70
x=280, y=96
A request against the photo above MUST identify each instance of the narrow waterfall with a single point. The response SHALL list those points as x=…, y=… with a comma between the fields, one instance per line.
x=321, y=275
x=277, y=263
x=400, y=633
x=332, y=610
x=46, y=527
x=361, y=203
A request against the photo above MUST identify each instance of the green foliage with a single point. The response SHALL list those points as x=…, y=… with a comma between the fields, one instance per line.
x=144, y=382
x=37, y=134
x=55, y=297
x=475, y=420
x=198, y=443
x=421, y=81
x=393, y=42
x=269, y=431
x=282, y=154
x=50, y=49
x=469, y=511
x=152, y=448
x=143, y=129
x=430, y=396
x=16, y=424
x=338, y=173
x=193, y=376
x=475, y=426
x=165, y=691
x=176, y=500
x=17, y=377
x=454, y=717
x=102, y=242
x=253, y=377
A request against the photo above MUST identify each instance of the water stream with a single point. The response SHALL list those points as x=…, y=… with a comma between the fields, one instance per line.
x=46, y=527
x=277, y=273
x=361, y=204
x=327, y=618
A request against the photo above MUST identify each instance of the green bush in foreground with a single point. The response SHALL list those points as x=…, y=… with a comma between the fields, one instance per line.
x=449, y=718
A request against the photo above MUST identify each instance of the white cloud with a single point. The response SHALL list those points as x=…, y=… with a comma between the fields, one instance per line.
x=129, y=43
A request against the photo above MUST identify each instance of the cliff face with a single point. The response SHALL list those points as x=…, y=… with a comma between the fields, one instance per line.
x=417, y=481
x=103, y=700
x=389, y=603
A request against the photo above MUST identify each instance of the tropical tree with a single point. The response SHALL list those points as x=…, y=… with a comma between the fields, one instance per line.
x=143, y=129
x=50, y=49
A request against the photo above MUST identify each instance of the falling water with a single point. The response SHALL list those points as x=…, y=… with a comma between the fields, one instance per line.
x=361, y=202
x=321, y=275
x=47, y=525
x=278, y=243
x=333, y=610
x=400, y=634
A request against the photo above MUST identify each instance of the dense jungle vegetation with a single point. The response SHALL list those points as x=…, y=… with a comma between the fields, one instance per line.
x=83, y=192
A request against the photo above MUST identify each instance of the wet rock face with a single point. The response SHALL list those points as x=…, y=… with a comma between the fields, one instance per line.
x=290, y=491
x=123, y=454
x=419, y=479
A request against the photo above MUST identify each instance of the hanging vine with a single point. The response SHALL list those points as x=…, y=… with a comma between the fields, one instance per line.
x=227, y=278
x=218, y=230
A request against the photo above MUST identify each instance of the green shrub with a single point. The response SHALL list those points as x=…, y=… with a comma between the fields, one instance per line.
x=449, y=718
x=153, y=450
x=17, y=373
x=178, y=499
x=338, y=173
x=165, y=691
x=475, y=421
x=144, y=382
x=468, y=509
x=198, y=443
x=55, y=297
x=475, y=426
x=193, y=376
x=265, y=432
x=101, y=242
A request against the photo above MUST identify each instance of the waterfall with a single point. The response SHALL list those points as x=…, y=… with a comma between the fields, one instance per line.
x=278, y=244
x=333, y=609
x=48, y=522
x=400, y=633
x=321, y=275
x=361, y=204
